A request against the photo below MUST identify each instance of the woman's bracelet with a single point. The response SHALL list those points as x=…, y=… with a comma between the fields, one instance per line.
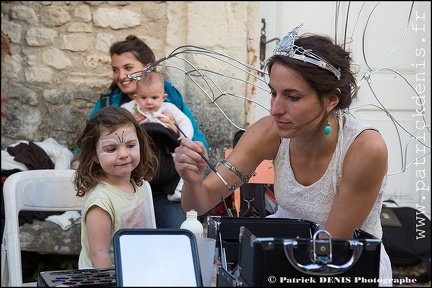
x=233, y=169
x=230, y=188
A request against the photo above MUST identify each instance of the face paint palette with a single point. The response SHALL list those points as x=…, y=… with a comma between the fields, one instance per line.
x=77, y=278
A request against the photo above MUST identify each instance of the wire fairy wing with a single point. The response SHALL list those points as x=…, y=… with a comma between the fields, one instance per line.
x=220, y=77
x=224, y=80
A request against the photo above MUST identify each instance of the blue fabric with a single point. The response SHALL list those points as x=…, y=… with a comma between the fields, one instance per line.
x=169, y=214
x=115, y=99
x=174, y=97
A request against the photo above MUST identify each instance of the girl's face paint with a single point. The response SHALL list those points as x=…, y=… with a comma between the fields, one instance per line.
x=118, y=152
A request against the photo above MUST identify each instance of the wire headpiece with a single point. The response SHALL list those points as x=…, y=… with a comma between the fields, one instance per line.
x=138, y=75
x=287, y=48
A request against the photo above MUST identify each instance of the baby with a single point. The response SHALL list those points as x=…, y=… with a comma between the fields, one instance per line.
x=148, y=106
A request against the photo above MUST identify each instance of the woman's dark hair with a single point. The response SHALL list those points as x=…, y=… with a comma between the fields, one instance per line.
x=322, y=80
x=89, y=173
x=137, y=47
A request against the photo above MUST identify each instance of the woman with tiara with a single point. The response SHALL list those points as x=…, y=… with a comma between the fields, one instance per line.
x=330, y=168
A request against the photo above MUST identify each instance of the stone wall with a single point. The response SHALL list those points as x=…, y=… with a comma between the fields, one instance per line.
x=45, y=237
x=60, y=62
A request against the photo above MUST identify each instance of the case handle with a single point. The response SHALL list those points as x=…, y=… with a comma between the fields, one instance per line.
x=326, y=269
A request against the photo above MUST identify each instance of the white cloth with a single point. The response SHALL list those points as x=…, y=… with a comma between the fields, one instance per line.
x=385, y=271
x=8, y=162
x=177, y=192
x=65, y=220
x=59, y=154
x=180, y=118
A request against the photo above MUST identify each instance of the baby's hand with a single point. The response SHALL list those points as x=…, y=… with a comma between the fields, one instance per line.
x=169, y=121
x=140, y=117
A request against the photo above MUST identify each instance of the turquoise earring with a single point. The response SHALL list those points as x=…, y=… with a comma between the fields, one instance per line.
x=327, y=128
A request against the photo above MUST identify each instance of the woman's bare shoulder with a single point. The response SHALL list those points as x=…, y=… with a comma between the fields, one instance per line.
x=372, y=142
x=261, y=139
x=368, y=154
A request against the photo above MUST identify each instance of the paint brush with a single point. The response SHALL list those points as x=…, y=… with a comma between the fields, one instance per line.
x=202, y=156
x=214, y=170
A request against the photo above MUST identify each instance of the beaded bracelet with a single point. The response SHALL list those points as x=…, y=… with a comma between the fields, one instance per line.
x=233, y=169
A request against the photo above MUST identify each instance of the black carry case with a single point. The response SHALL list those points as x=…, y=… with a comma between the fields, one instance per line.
x=276, y=261
x=406, y=236
x=226, y=230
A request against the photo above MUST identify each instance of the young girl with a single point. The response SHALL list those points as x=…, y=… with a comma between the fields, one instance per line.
x=132, y=55
x=114, y=167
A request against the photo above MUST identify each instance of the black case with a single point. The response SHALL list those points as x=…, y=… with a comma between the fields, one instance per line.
x=226, y=230
x=276, y=261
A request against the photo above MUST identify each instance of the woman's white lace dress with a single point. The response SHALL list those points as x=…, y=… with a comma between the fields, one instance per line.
x=314, y=202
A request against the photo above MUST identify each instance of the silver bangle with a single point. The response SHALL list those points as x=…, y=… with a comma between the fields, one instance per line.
x=230, y=188
x=233, y=169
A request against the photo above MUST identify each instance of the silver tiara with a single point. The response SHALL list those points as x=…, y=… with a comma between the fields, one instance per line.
x=287, y=48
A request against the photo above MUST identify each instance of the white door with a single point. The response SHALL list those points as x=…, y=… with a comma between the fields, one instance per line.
x=391, y=45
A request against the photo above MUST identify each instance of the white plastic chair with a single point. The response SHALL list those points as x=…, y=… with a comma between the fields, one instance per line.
x=33, y=190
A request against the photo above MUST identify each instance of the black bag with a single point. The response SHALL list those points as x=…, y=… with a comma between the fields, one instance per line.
x=164, y=142
x=305, y=262
x=406, y=235
x=253, y=196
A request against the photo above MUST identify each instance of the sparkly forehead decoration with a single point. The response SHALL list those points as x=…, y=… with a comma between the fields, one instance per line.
x=287, y=48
